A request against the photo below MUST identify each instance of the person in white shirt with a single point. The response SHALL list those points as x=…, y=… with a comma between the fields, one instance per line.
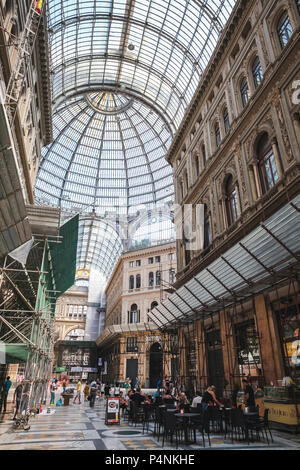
x=196, y=400
x=117, y=390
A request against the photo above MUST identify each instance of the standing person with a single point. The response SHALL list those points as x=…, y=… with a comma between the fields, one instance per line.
x=93, y=393
x=106, y=390
x=17, y=398
x=209, y=398
x=78, y=392
x=117, y=390
x=86, y=391
x=53, y=389
x=249, y=395
x=64, y=385
x=4, y=393
x=102, y=389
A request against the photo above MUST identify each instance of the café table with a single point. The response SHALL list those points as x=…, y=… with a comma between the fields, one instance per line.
x=186, y=418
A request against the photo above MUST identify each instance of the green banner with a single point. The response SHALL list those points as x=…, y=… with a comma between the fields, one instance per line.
x=61, y=369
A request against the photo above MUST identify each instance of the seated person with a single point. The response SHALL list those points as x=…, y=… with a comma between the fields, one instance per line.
x=168, y=399
x=182, y=401
x=197, y=399
x=137, y=398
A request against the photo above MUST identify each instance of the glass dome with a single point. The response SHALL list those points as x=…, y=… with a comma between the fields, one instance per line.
x=108, y=152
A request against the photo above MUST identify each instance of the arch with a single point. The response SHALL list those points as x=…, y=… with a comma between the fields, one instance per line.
x=79, y=331
x=244, y=90
x=284, y=28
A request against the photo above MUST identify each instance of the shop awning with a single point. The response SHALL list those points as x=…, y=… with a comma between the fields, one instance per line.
x=114, y=330
x=261, y=259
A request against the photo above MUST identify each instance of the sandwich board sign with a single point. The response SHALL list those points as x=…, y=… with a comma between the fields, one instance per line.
x=112, y=414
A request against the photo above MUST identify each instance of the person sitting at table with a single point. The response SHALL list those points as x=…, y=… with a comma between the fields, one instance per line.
x=197, y=399
x=137, y=397
x=123, y=403
x=209, y=398
x=249, y=395
x=168, y=399
x=182, y=401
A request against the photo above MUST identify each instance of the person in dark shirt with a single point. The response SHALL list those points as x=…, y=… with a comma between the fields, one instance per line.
x=4, y=394
x=138, y=398
x=17, y=398
x=249, y=395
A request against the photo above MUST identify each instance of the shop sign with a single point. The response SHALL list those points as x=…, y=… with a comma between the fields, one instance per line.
x=76, y=369
x=100, y=361
x=112, y=415
x=281, y=413
x=89, y=369
x=60, y=369
x=249, y=357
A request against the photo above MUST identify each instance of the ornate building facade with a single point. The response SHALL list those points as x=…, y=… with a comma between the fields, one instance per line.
x=236, y=154
x=130, y=345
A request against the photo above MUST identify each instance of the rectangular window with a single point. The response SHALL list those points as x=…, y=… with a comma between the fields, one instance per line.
x=132, y=344
x=157, y=259
x=150, y=260
x=138, y=262
x=171, y=256
x=131, y=264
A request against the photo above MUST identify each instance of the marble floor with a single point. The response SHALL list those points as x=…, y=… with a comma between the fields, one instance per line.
x=79, y=427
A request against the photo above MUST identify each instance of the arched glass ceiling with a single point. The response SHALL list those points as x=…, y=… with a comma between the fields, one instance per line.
x=148, y=55
x=156, y=49
x=99, y=245
x=108, y=152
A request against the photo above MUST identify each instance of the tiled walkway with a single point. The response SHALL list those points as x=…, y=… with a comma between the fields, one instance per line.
x=81, y=427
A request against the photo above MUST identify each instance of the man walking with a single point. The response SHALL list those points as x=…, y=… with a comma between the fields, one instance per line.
x=17, y=398
x=4, y=393
x=93, y=392
x=78, y=394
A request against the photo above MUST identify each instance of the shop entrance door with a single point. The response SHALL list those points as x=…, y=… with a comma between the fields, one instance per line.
x=215, y=362
x=132, y=369
x=156, y=364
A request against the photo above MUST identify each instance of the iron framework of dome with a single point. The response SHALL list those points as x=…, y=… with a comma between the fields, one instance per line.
x=123, y=74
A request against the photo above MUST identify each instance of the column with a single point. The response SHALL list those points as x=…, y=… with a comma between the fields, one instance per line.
x=225, y=222
x=270, y=351
x=229, y=352
x=252, y=182
x=257, y=179
x=238, y=197
x=277, y=157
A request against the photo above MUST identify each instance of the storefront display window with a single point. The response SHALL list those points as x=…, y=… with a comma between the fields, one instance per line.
x=246, y=339
x=289, y=329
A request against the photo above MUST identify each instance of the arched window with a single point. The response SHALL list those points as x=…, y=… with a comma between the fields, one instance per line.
x=284, y=29
x=151, y=279
x=257, y=72
x=244, y=89
x=231, y=201
x=75, y=335
x=157, y=278
x=203, y=154
x=134, y=314
x=217, y=135
x=138, y=281
x=131, y=282
x=266, y=163
x=153, y=305
x=226, y=120
x=207, y=237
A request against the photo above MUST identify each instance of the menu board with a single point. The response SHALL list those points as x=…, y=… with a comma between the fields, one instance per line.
x=112, y=415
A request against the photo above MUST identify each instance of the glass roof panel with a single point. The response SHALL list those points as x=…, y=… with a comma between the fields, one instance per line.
x=123, y=74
